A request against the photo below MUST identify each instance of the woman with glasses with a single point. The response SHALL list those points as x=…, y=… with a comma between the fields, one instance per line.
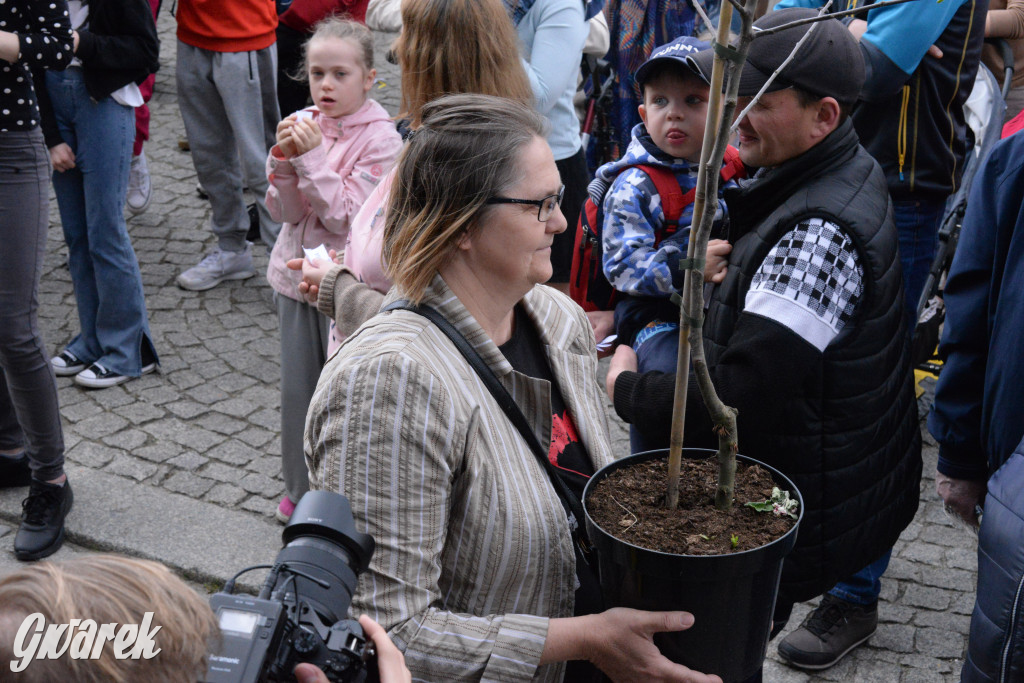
x=477, y=573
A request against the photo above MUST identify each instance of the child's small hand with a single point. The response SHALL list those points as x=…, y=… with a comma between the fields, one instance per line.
x=306, y=135
x=284, y=137
x=313, y=274
x=717, y=262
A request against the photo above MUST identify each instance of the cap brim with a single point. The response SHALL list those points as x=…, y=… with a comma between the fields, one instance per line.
x=753, y=79
x=701, y=63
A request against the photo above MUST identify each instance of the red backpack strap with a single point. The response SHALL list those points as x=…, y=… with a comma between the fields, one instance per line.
x=732, y=165
x=673, y=201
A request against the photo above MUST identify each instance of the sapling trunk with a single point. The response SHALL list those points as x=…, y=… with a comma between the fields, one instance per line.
x=691, y=314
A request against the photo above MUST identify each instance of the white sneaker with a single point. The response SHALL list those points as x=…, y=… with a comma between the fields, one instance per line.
x=140, y=189
x=217, y=267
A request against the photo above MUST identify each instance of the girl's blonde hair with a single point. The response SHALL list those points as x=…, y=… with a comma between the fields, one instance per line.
x=465, y=151
x=448, y=47
x=109, y=589
x=343, y=29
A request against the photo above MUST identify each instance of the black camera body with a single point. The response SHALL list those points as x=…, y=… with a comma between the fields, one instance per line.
x=301, y=613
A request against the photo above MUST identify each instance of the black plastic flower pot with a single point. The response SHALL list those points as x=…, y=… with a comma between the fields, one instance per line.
x=730, y=596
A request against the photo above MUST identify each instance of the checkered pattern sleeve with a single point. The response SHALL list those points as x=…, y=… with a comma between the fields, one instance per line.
x=810, y=282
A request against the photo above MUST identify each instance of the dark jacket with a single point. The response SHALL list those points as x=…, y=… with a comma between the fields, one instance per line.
x=924, y=104
x=995, y=647
x=120, y=46
x=841, y=423
x=978, y=417
x=979, y=402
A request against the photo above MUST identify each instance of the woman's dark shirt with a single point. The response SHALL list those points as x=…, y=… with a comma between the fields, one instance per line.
x=44, y=36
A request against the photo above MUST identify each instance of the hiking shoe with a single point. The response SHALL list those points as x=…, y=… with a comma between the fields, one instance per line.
x=98, y=377
x=14, y=471
x=284, y=510
x=830, y=631
x=140, y=189
x=66, y=364
x=42, y=520
x=217, y=267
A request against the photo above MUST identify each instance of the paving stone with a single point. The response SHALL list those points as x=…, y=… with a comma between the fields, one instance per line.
x=4, y=530
x=945, y=577
x=926, y=553
x=261, y=485
x=139, y=412
x=222, y=424
x=188, y=461
x=128, y=466
x=233, y=452
x=255, y=437
x=938, y=642
x=208, y=394
x=226, y=494
x=925, y=596
x=187, y=409
x=894, y=638
x=127, y=439
x=76, y=412
x=260, y=506
x=269, y=465
x=962, y=558
x=160, y=451
x=91, y=454
x=961, y=623
x=236, y=407
x=188, y=483
x=224, y=473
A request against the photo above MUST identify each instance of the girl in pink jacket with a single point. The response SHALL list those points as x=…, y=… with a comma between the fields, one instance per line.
x=327, y=160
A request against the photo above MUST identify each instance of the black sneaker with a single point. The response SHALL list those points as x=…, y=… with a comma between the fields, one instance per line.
x=66, y=364
x=97, y=376
x=829, y=632
x=41, y=532
x=14, y=471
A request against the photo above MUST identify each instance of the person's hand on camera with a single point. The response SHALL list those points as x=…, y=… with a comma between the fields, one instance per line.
x=62, y=157
x=313, y=273
x=390, y=660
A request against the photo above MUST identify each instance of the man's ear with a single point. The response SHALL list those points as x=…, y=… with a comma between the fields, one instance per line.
x=827, y=118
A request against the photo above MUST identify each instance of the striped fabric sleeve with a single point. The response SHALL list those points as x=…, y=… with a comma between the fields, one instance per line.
x=384, y=431
x=810, y=282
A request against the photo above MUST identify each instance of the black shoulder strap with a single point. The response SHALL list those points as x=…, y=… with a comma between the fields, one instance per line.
x=508, y=405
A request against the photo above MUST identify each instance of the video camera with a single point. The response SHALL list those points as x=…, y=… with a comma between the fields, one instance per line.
x=301, y=613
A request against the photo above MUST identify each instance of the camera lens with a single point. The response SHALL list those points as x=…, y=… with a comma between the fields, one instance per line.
x=321, y=541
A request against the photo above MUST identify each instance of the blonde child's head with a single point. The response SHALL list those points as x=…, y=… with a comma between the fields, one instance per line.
x=675, y=99
x=338, y=64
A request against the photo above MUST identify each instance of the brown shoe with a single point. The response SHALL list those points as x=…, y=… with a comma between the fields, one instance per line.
x=183, y=145
x=829, y=632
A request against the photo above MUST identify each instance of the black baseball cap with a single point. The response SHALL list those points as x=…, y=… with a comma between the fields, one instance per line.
x=828, y=64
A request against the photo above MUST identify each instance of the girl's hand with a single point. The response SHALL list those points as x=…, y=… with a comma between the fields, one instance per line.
x=717, y=262
x=306, y=135
x=313, y=274
x=62, y=158
x=284, y=137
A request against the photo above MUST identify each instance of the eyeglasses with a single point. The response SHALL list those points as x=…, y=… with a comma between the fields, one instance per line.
x=545, y=206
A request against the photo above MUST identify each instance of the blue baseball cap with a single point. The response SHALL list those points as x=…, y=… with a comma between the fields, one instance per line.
x=676, y=51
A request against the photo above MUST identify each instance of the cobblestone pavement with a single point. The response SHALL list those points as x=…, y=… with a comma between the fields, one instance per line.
x=202, y=435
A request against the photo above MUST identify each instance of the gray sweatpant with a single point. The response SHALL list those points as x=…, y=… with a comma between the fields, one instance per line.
x=303, y=353
x=228, y=101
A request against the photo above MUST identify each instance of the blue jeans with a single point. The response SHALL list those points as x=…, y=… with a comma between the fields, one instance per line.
x=29, y=413
x=657, y=350
x=104, y=270
x=917, y=224
x=863, y=587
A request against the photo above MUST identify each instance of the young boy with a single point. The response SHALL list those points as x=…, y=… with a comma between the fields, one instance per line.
x=640, y=260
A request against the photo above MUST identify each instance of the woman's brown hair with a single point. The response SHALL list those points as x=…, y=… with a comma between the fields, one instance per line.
x=465, y=151
x=448, y=47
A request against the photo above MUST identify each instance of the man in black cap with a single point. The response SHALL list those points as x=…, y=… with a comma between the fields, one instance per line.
x=807, y=336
